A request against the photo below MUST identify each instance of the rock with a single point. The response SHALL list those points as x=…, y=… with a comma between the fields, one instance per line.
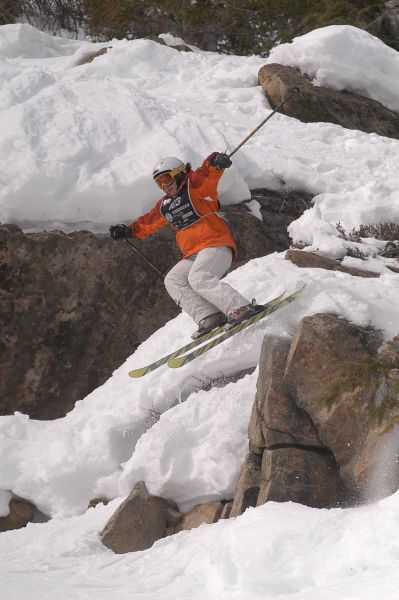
x=281, y=420
x=159, y=40
x=247, y=490
x=173, y=517
x=322, y=346
x=88, y=58
x=301, y=475
x=305, y=449
x=93, y=503
x=137, y=523
x=319, y=104
x=210, y=512
x=21, y=513
x=226, y=511
x=315, y=261
x=74, y=307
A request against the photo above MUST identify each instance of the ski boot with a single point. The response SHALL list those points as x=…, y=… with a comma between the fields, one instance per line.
x=236, y=316
x=207, y=324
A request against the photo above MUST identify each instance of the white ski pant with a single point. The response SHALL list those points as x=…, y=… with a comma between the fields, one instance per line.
x=194, y=283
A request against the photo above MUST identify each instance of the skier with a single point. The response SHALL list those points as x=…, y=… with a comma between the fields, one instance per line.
x=190, y=206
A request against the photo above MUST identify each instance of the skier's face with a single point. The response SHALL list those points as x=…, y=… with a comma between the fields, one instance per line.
x=167, y=183
x=171, y=189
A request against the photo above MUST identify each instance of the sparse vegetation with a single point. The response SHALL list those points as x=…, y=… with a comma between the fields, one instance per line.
x=245, y=27
x=373, y=382
x=387, y=231
x=355, y=253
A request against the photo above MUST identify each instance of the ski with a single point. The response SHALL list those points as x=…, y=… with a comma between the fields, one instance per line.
x=136, y=373
x=179, y=361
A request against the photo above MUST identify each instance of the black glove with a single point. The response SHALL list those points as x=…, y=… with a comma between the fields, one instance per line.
x=220, y=161
x=120, y=231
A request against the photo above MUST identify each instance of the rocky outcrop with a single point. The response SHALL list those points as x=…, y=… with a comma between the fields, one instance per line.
x=21, y=513
x=311, y=438
x=74, y=307
x=315, y=261
x=319, y=104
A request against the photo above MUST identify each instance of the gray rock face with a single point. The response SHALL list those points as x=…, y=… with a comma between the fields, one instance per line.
x=74, y=307
x=318, y=104
x=305, y=450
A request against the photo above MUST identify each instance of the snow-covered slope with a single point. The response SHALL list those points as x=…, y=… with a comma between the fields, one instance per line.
x=78, y=146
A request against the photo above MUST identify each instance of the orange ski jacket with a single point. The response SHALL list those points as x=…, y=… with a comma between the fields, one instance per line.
x=193, y=215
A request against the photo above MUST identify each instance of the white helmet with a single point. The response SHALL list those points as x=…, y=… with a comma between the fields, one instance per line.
x=170, y=164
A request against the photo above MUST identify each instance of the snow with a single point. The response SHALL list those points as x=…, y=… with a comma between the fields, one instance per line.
x=5, y=498
x=277, y=551
x=78, y=145
x=195, y=451
x=345, y=58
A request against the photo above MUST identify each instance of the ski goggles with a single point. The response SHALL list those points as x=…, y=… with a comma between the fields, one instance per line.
x=165, y=180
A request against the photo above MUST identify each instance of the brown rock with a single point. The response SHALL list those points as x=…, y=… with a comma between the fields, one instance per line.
x=90, y=57
x=137, y=523
x=300, y=475
x=210, y=512
x=322, y=346
x=320, y=104
x=226, y=510
x=312, y=452
x=21, y=513
x=93, y=503
x=247, y=489
x=315, y=261
x=281, y=420
x=173, y=517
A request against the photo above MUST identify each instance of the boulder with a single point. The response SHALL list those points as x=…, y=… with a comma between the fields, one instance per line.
x=137, y=523
x=209, y=512
x=315, y=261
x=322, y=346
x=311, y=438
x=319, y=104
x=21, y=513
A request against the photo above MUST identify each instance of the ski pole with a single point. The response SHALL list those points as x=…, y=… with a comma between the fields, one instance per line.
x=145, y=258
x=293, y=91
